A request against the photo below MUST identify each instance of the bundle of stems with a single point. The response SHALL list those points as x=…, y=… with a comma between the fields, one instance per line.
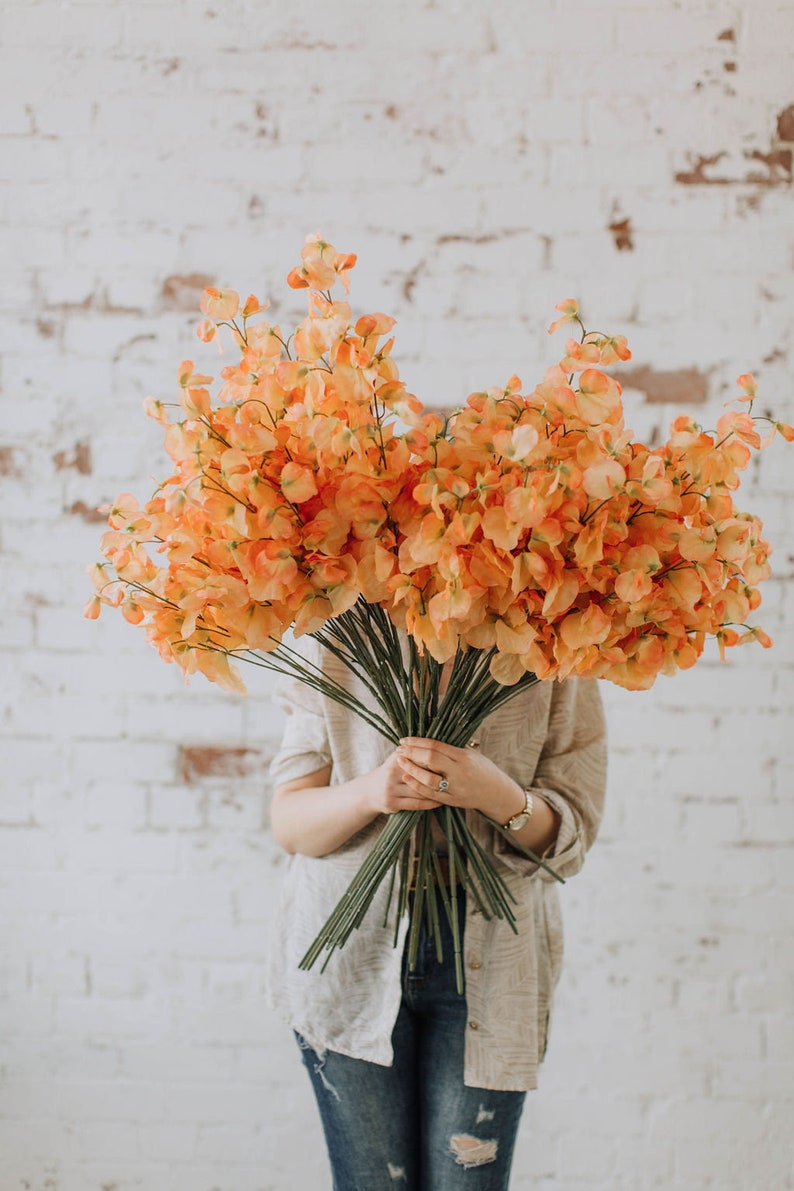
x=407, y=695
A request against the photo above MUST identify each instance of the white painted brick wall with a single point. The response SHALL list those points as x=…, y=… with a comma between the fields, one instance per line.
x=475, y=157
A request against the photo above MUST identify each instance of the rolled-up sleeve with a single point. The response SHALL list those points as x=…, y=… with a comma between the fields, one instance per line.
x=304, y=745
x=571, y=777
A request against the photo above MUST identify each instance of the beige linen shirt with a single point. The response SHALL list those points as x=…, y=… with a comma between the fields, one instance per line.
x=550, y=738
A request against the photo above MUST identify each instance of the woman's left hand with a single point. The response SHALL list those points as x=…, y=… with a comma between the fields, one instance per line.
x=473, y=780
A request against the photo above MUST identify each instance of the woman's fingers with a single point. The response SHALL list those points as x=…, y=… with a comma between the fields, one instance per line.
x=427, y=782
x=409, y=802
x=402, y=792
x=442, y=762
x=433, y=754
x=419, y=782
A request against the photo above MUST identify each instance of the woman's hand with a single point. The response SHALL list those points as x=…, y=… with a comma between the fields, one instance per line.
x=390, y=790
x=473, y=782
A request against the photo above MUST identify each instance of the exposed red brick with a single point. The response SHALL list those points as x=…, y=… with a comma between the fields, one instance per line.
x=622, y=232
x=79, y=458
x=99, y=303
x=678, y=385
x=748, y=202
x=104, y=306
x=778, y=164
x=8, y=463
x=391, y=112
x=409, y=284
x=197, y=761
x=730, y=67
x=696, y=176
x=778, y=172
x=45, y=328
x=785, y=124
x=92, y=515
x=182, y=292
x=727, y=35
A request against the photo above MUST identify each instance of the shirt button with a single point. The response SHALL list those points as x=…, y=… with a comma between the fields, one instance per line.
x=472, y=1025
x=475, y=966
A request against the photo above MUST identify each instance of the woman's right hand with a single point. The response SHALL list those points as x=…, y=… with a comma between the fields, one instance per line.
x=391, y=793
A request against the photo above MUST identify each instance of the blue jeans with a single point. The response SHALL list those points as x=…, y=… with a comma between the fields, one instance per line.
x=415, y=1126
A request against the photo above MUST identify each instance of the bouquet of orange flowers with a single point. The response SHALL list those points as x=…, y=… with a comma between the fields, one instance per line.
x=526, y=537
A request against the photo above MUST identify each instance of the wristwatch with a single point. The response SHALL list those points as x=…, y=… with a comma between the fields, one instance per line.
x=520, y=820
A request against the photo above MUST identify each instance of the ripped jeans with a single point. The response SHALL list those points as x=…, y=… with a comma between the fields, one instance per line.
x=415, y=1126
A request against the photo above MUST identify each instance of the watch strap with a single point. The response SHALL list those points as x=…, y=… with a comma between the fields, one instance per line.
x=513, y=823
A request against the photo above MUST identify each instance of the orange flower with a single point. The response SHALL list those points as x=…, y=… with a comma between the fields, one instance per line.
x=579, y=355
x=154, y=408
x=219, y=304
x=92, y=607
x=322, y=266
x=739, y=425
x=603, y=479
x=635, y=580
x=756, y=634
x=747, y=382
x=570, y=313
x=598, y=399
x=582, y=628
x=188, y=379
x=206, y=330
x=612, y=348
x=297, y=483
x=253, y=306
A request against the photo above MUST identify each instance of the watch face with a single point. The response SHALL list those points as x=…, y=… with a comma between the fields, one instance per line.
x=518, y=821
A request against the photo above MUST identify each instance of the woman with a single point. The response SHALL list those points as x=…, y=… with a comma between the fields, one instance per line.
x=417, y=1085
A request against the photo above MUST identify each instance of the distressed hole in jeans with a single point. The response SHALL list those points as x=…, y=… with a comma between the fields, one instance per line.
x=321, y=1056
x=397, y=1173
x=324, y=1080
x=485, y=1114
x=471, y=1151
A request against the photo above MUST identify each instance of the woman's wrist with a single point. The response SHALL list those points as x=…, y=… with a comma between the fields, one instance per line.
x=538, y=832
x=364, y=792
x=504, y=803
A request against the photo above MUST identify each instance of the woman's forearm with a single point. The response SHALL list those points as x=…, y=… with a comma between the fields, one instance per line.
x=316, y=818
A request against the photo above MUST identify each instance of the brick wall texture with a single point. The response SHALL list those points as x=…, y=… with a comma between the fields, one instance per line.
x=484, y=161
